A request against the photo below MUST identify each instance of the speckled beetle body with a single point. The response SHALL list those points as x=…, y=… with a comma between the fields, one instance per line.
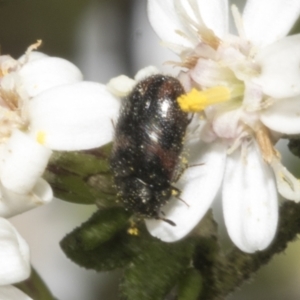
x=148, y=142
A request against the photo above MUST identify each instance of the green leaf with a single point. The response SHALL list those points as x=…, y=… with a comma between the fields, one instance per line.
x=35, y=287
x=190, y=285
x=151, y=267
x=155, y=267
x=106, y=257
x=101, y=242
x=101, y=227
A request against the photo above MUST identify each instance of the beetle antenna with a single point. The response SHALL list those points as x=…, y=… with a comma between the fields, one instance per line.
x=168, y=221
x=182, y=201
x=165, y=220
x=195, y=165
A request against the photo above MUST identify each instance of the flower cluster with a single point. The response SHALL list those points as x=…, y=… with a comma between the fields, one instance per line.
x=244, y=91
x=44, y=106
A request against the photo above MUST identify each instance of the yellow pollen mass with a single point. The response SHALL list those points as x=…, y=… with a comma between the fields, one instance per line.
x=175, y=192
x=133, y=231
x=41, y=137
x=196, y=100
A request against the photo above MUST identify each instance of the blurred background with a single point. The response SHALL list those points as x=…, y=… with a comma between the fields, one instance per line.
x=105, y=38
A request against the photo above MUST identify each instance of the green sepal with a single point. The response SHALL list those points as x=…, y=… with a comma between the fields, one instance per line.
x=101, y=242
x=190, y=285
x=35, y=287
x=82, y=177
x=155, y=268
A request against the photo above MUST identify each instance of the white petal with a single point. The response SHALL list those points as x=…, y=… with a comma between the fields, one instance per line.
x=10, y=292
x=14, y=258
x=208, y=73
x=42, y=191
x=166, y=22
x=279, y=68
x=249, y=200
x=266, y=21
x=288, y=185
x=283, y=116
x=199, y=185
x=23, y=161
x=215, y=15
x=226, y=122
x=39, y=75
x=12, y=204
x=74, y=117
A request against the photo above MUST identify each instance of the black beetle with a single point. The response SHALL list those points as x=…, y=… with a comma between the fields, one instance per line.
x=149, y=137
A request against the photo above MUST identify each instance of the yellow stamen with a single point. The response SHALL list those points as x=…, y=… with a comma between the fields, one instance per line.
x=266, y=145
x=32, y=47
x=196, y=101
x=3, y=72
x=41, y=137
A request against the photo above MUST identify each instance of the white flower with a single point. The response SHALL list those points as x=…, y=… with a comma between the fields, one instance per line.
x=45, y=106
x=14, y=262
x=246, y=89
